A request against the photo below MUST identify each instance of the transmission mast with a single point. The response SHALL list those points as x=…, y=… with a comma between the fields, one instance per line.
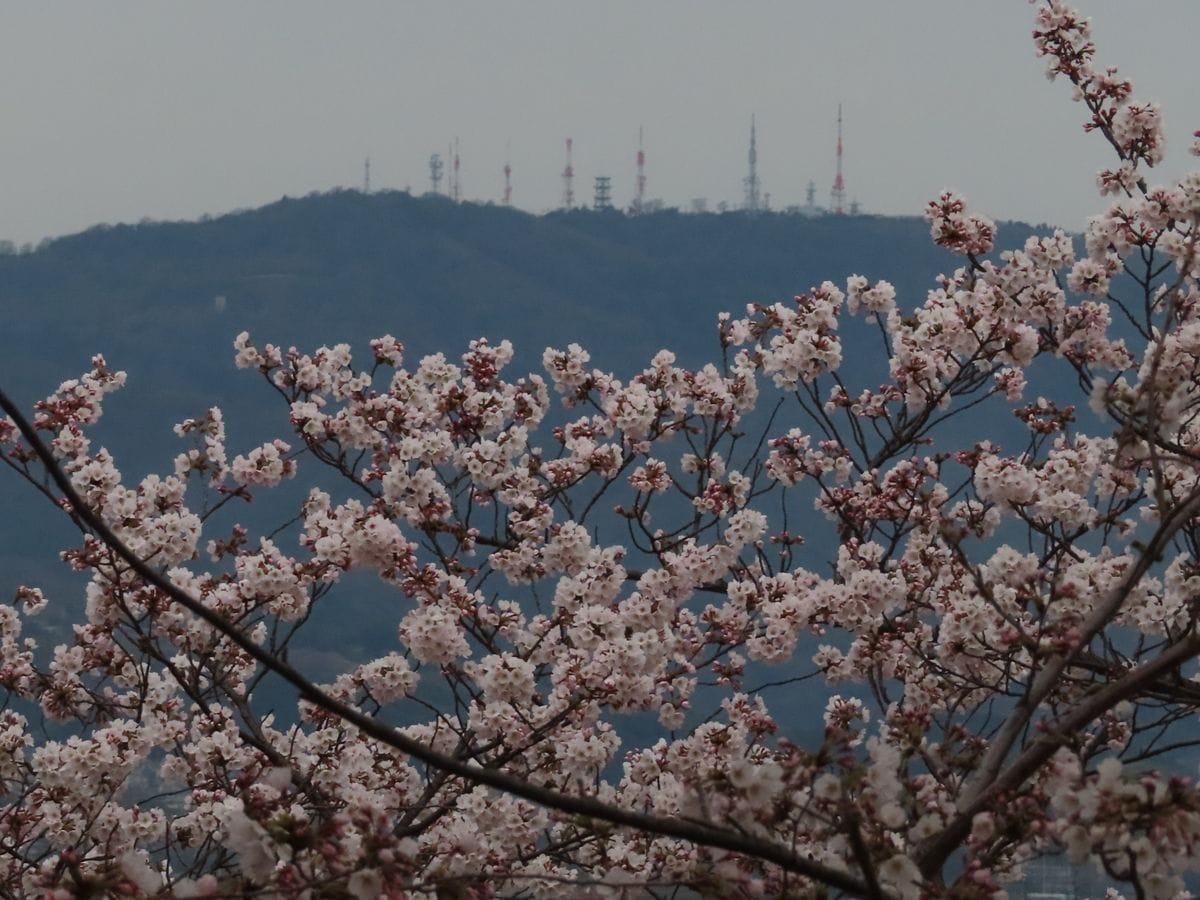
x=568, y=177
x=602, y=196
x=455, y=184
x=507, y=175
x=367, y=175
x=753, y=203
x=639, y=197
x=435, y=173
x=837, y=196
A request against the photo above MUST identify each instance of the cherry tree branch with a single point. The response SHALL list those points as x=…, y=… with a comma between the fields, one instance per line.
x=666, y=826
x=1032, y=758
x=1049, y=676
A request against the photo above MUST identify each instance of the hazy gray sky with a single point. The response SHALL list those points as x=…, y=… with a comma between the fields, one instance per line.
x=119, y=110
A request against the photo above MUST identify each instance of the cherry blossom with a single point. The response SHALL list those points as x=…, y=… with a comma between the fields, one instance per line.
x=748, y=628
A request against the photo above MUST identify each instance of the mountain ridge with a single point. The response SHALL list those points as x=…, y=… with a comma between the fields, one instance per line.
x=164, y=300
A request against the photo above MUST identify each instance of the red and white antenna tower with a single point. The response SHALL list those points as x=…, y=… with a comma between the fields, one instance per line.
x=837, y=196
x=455, y=184
x=568, y=176
x=507, y=175
x=639, y=198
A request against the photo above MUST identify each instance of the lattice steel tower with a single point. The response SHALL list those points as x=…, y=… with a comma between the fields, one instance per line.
x=455, y=183
x=568, y=177
x=753, y=196
x=435, y=173
x=639, y=196
x=507, y=175
x=602, y=195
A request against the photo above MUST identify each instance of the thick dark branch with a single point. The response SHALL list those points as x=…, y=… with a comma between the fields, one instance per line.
x=1038, y=753
x=1044, y=682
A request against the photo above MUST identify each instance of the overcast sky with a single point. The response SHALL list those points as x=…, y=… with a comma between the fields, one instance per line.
x=118, y=111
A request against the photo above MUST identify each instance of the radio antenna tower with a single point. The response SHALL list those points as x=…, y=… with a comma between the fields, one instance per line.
x=639, y=197
x=753, y=204
x=507, y=174
x=367, y=176
x=568, y=177
x=837, y=196
x=455, y=184
x=603, y=193
x=435, y=173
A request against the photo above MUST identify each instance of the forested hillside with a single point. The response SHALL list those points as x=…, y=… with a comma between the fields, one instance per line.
x=346, y=267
